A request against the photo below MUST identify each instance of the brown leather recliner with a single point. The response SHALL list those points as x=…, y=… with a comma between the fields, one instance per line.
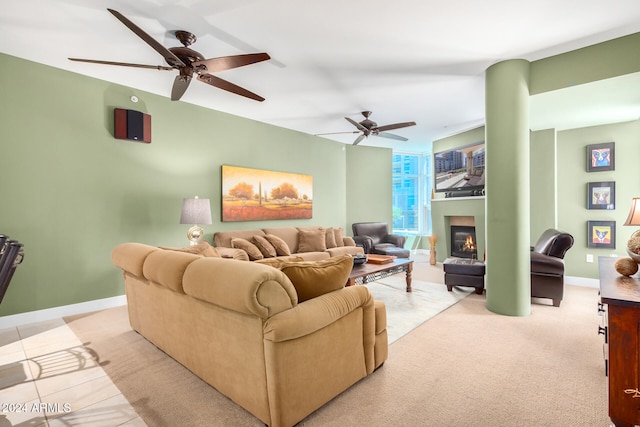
x=375, y=238
x=547, y=265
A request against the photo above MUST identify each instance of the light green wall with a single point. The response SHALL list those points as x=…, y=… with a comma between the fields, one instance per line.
x=612, y=58
x=572, y=189
x=71, y=192
x=364, y=166
x=543, y=166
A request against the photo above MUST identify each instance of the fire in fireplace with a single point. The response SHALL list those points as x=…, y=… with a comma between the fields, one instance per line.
x=463, y=241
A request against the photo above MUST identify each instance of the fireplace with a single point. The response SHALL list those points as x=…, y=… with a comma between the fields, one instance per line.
x=463, y=241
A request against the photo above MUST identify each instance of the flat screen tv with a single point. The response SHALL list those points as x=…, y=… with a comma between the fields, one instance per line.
x=460, y=170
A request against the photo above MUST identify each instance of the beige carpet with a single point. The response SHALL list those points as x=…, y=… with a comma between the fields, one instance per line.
x=408, y=310
x=464, y=367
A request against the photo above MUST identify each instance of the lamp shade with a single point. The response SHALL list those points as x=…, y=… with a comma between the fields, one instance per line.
x=634, y=213
x=195, y=211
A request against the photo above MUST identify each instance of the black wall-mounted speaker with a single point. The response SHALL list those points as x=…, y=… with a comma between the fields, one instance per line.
x=132, y=125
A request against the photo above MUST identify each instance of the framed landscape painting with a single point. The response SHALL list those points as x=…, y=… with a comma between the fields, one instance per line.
x=601, y=234
x=601, y=195
x=601, y=157
x=260, y=195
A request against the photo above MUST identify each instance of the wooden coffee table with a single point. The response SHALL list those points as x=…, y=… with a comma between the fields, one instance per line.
x=369, y=272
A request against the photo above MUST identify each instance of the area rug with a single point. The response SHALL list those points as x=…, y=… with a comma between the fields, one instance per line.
x=408, y=310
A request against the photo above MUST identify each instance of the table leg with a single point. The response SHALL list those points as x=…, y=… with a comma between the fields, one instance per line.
x=351, y=281
x=409, y=270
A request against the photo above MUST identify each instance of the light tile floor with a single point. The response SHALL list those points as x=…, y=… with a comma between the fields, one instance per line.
x=49, y=378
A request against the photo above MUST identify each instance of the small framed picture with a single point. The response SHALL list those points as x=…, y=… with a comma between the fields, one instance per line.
x=601, y=157
x=601, y=234
x=601, y=195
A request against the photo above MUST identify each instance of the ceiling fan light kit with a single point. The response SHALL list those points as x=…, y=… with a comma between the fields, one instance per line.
x=188, y=62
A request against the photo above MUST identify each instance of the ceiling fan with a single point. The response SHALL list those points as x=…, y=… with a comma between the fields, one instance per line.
x=188, y=62
x=369, y=127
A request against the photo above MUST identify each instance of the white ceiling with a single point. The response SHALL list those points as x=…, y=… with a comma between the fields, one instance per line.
x=405, y=60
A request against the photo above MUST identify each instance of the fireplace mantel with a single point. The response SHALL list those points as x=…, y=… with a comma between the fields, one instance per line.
x=458, y=211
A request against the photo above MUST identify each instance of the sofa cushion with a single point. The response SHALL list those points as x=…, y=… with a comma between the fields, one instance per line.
x=166, y=268
x=202, y=249
x=311, y=240
x=264, y=246
x=315, y=278
x=289, y=235
x=339, y=236
x=231, y=253
x=251, y=249
x=330, y=238
x=130, y=256
x=281, y=247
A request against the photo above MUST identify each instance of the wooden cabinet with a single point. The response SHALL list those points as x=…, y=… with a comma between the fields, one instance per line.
x=621, y=298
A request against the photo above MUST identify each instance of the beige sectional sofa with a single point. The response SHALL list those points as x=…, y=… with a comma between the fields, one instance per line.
x=308, y=243
x=240, y=327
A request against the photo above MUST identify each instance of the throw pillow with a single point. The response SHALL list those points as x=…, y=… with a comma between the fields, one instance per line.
x=330, y=238
x=315, y=278
x=264, y=246
x=251, y=249
x=312, y=240
x=338, y=234
x=202, y=249
x=280, y=245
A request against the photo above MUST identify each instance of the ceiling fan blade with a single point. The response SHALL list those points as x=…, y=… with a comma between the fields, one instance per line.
x=171, y=59
x=356, y=124
x=392, y=136
x=228, y=86
x=395, y=126
x=335, y=133
x=180, y=85
x=122, y=64
x=359, y=139
x=228, y=62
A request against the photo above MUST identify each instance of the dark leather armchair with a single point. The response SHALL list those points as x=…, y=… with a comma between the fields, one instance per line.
x=375, y=238
x=547, y=265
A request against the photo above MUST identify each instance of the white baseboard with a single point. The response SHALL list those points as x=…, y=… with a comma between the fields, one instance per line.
x=57, y=312
x=582, y=281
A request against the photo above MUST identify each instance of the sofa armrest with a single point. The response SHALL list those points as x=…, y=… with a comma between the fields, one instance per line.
x=546, y=265
x=365, y=241
x=316, y=313
x=396, y=239
x=382, y=338
x=348, y=241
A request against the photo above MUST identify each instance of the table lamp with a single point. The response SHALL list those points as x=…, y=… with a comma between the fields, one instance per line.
x=633, y=245
x=195, y=211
